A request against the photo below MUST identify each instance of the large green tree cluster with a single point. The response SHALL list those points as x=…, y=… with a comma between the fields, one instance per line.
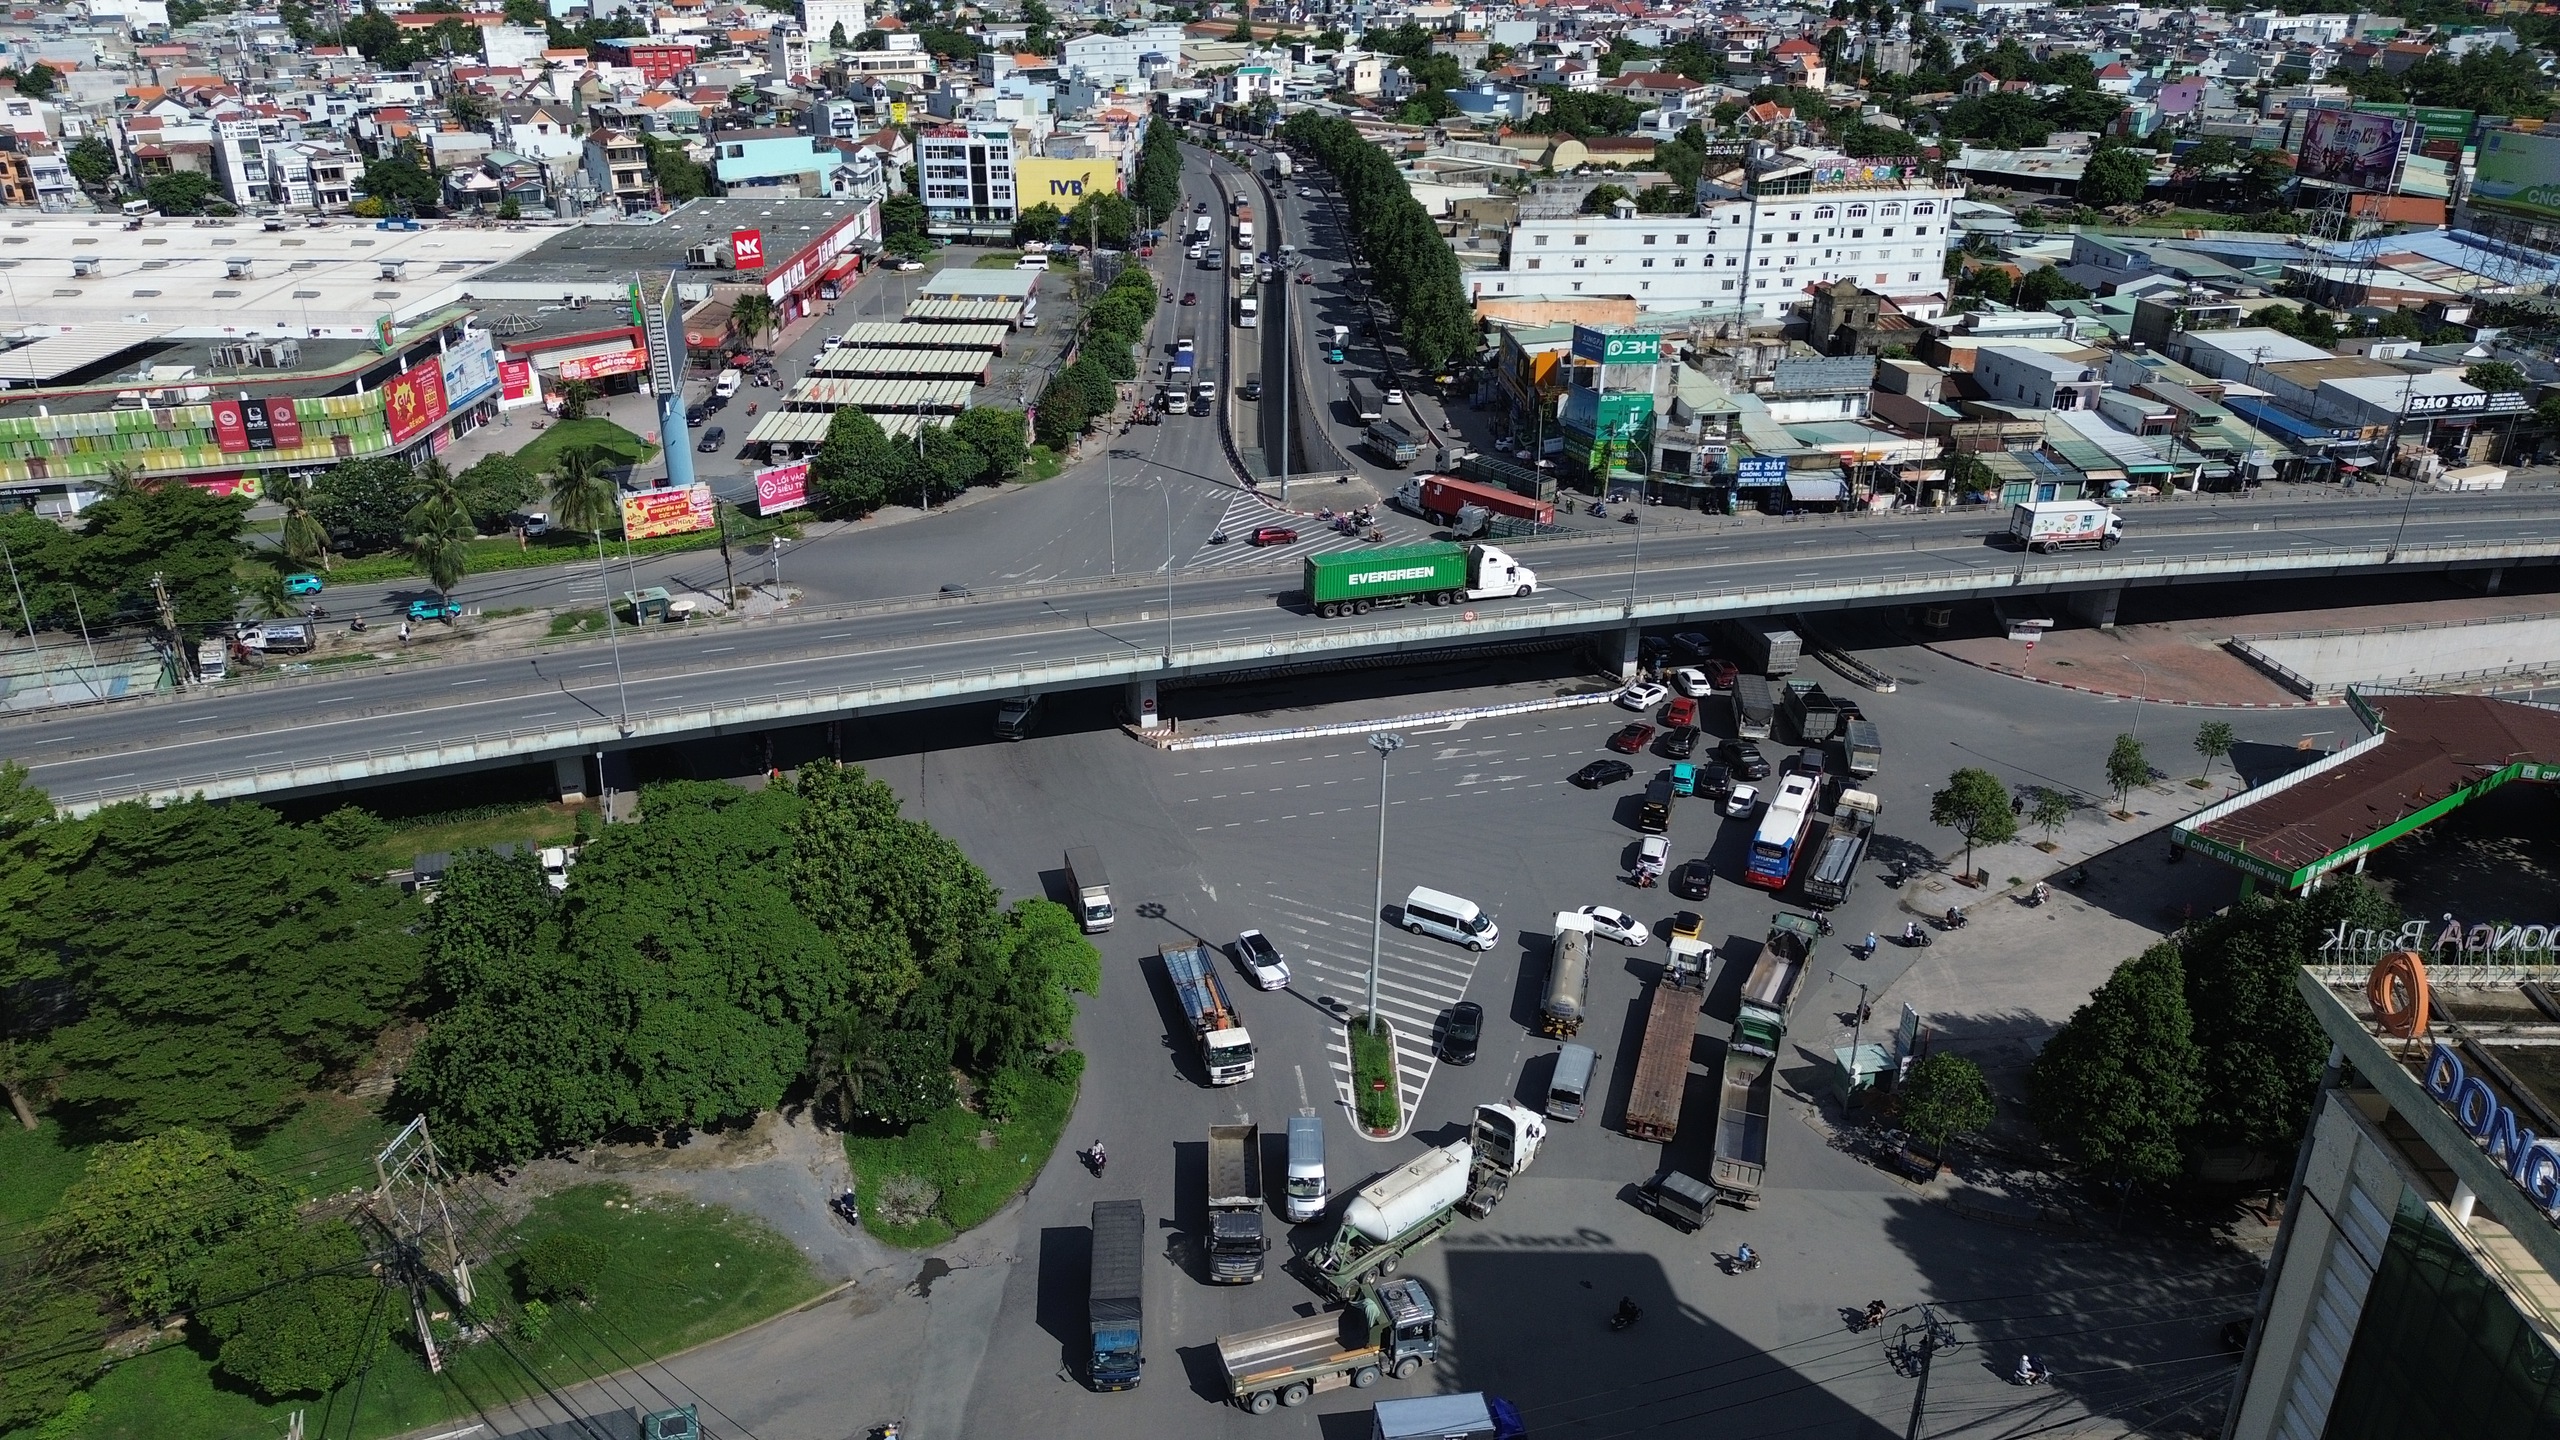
x=2005, y=121
x=1115, y=331
x=2199, y=1043
x=860, y=468
x=1414, y=270
x=1158, y=188
x=697, y=955
x=100, y=574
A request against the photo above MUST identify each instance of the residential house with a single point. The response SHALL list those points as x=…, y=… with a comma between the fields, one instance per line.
x=617, y=169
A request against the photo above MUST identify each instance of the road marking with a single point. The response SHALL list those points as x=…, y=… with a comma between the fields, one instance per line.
x=847, y=635
x=261, y=755
x=595, y=665
x=938, y=624
x=719, y=649
x=458, y=684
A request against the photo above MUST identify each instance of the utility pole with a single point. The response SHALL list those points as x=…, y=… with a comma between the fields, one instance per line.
x=728, y=568
x=168, y=623
x=1931, y=1332
x=408, y=1202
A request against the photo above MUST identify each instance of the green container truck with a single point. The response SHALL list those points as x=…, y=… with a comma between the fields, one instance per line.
x=1354, y=582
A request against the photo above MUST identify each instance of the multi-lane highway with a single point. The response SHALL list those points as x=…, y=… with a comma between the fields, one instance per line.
x=484, y=709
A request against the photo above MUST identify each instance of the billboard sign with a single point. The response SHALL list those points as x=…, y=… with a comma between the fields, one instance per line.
x=2519, y=171
x=782, y=487
x=677, y=511
x=2435, y=122
x=414, y=400
x=2468, y=402
x=518, y=385
x=747, y=246
x=1610, y=347
x=286, y=422
x=230, y=428
x=1760, y=472
x=596, y=367
x=470, y=369
x=2350, y=148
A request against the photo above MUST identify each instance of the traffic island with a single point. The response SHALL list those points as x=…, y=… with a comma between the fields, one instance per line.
x=1377, y=1092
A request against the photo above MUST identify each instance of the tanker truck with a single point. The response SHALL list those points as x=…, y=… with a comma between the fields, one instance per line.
x=1407, y=1208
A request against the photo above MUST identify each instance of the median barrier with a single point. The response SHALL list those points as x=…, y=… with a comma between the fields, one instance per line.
x=1363, y=727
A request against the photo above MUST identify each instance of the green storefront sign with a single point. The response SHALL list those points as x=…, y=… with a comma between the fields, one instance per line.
x=1613, y=347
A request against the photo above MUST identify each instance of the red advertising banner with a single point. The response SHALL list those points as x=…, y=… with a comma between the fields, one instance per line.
x=515, y=381
x=414, y=400
x=230, y=427
x=285, y=423
x=747, y=246
x=682, y=511
x=596, y=367
x=783, y=487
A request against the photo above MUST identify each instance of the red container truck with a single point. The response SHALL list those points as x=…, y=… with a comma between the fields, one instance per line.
x=1439, y=498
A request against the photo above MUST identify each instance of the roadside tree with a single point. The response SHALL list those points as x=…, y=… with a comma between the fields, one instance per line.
x=2127, y=768
x=1975, y=805
x=289, y=1305
x=365, y=502
x=1944, y=1098
x=2214, y=739
x=2121, y=1083
x=149, y=1215
x=2049, y=811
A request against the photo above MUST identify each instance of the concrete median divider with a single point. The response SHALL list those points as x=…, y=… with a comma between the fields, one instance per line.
x=1363, y=727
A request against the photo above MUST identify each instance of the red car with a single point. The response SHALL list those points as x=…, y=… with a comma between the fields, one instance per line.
x=1720, y=673
x=1190, y=297
x=1631, y=739
x=1681, y=713
x=1275, y=535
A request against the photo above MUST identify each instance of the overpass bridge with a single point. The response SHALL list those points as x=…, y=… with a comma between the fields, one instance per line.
x=562, y=702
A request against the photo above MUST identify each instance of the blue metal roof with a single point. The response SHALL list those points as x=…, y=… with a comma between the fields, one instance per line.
x=2292, y=427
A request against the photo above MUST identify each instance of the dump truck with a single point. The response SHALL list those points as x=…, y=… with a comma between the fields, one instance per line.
x=1742, y=1125
x=1389, y=1328
x=1092, y=887
x=1236, y=1243
x=1226, y=1048
x=1115, y=1295
x=2050, y=525
x=1409, y=1206
x=1751, y=707
x=1568, y=998
x=1354, y=582
x=1670, y=1028
x=1769, y=995
x=1392, y=443
x=1851, y=824
x=1763, y=647
x=1812, y=715
x=1863, y=747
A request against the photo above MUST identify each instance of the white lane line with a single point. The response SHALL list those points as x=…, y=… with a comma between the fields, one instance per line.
x=458, y=684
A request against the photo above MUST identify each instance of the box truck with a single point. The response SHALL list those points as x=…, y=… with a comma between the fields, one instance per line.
x=1092, y=888
x=1115, y=1294
x=2051, y=525
x=1763, y=647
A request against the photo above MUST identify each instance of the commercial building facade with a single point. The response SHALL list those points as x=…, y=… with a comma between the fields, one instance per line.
x=967, y=172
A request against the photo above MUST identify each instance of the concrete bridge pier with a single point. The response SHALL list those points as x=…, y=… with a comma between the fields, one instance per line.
x=1140, y=701
x=1630, y=652
x=570, y=773
x=2096, y=608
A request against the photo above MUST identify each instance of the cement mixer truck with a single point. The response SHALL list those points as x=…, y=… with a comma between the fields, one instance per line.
x=1407, y=1208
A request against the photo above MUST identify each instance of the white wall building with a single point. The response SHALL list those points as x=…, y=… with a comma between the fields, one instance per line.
x=1888, y=235
x=967, y=175
x=819, y=19
x=1116, y=57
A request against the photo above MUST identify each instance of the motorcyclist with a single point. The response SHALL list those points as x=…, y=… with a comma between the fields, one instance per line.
x=1628, y=1312
x=1744, y=1257
x=2028, y=1371
x=1875, y=1314
x=1099, y=1159
x=1955, y=917
x=1910, y=932
x=1870, y=947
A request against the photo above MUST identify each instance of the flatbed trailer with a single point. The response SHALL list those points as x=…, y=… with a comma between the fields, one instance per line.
x=1670, y=1033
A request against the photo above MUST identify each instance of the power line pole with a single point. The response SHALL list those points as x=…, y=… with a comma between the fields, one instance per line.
x=409, y=1203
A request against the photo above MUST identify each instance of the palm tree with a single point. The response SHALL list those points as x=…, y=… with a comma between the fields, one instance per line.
x=267, y=592
x=753, y=314
x=582, y=495
x=305, y=539
x=439, y=539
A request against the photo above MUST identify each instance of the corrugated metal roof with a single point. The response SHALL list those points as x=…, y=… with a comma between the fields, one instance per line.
x=907, y=335
x=1823, y=377
x=945, y=395
x=968, y=312
x=55, y=356
x=848, y=360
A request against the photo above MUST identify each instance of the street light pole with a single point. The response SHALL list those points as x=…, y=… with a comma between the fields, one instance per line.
x=1110, y=521
x=2138, y=699
x=1385, y=743
x=1164, y=489
x=613, y=637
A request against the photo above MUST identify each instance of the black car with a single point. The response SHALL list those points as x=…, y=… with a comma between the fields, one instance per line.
x=696, y=415
x=1692, y=880
x=1715, y=780
x=1460, y=1031
x=1681, y=743
x=1807, y=761
x=1603, y=772
x=712, y=439
x=1745, y=758
x=1692, y=644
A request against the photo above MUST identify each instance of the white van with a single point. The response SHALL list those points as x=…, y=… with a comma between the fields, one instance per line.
x=728, y=383
x=1459, y=921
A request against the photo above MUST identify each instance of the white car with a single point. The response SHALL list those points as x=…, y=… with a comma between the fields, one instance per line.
x=1617, y=925
x=1262, y=960
x=1692, y=683
x=1741, y=802
x=908, y=267
x=1642, y=696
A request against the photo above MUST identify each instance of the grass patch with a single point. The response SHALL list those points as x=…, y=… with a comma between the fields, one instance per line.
x=327, y=1147
x=1373, y=1059
x=36, y=1166
x=1042, y=463
x=610, y=441
x=676, y=1274
x=577, y=622
x=950, y=1172
x=552, y=824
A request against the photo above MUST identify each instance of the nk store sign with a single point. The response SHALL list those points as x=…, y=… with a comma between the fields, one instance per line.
x=1611, y=347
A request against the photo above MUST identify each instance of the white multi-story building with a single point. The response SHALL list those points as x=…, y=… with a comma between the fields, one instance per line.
x=1811, y=221
x=1117, y=57
x=967, y=175
x=819, y=19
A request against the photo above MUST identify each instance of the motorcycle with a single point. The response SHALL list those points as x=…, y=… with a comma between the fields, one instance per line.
x=1598, y=510
x=1954, y=919
x=1093, y=1158
x=1915, y=937
x=1627, y=1315
x=1219, y=538
x=1742, y=1262
x=1629, y=517
x=1893, y=877
x=2077, y=878
x=2039, y=895
x=845, y=1206
x=1821, y=922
